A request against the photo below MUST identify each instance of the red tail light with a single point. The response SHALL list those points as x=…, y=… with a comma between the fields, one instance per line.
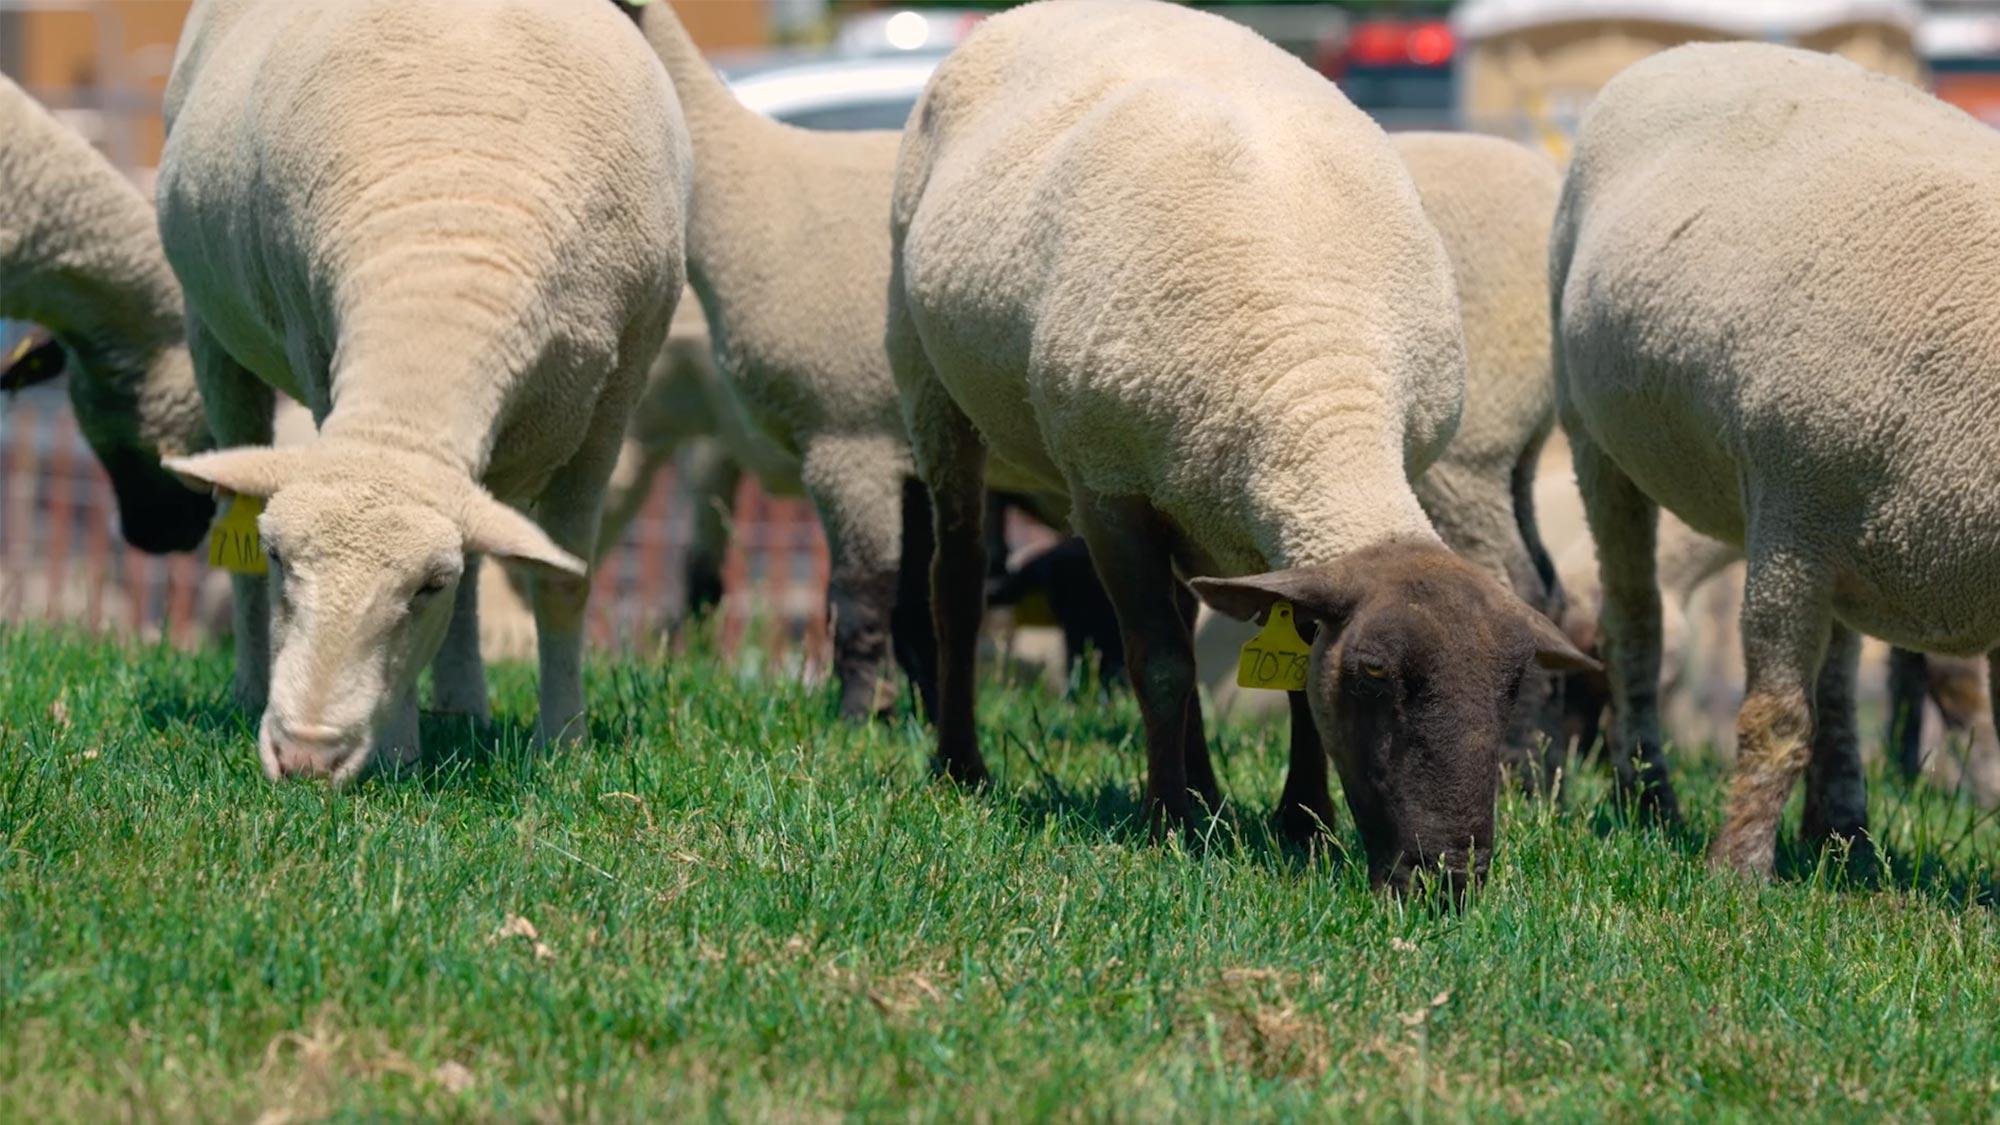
x=1386, y=43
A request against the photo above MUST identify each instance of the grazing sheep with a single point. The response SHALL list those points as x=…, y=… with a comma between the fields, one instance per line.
x=453, y=230
x=1764, y=271
x=1192, y=287
x=80, y=255
x=1492, y=202
x=788, y=250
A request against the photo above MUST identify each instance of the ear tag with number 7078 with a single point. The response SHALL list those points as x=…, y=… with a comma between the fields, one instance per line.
x=233, y=544
x=1276, y=658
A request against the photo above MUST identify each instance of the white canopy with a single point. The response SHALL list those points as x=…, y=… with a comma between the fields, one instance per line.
x=1749, y=19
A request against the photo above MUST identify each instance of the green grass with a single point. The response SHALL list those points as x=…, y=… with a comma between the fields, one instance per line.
x=746, y=911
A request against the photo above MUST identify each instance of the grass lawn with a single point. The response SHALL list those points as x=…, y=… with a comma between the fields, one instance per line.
x=728, y=905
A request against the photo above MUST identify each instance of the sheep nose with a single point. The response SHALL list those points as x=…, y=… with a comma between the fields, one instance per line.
x=306, y=749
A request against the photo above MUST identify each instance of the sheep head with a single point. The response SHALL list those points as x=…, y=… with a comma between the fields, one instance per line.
x=366, y=550
x=132, y=414
x=1416, y=662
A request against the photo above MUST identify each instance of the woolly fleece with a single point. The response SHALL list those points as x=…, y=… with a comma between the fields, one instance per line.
x=1492, y=201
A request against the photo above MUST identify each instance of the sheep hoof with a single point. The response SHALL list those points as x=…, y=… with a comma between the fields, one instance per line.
x=1304, y=826
x=965, y=767
x=1653, y=802
x=396, y=762
x=1745, y=852
x=567, y=736
x=1167, y=815
x=867, y=698
x=1851, y=849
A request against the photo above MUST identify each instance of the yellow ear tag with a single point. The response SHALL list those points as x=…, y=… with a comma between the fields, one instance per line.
x=233, y=544
x=1277, y=657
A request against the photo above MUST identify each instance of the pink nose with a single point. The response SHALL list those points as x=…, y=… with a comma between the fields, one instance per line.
x=308, y=750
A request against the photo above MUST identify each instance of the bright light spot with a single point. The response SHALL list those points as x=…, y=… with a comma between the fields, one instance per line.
x=907, y=30
x=1431, y=45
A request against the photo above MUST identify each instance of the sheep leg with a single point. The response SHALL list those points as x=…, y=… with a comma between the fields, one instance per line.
x=713, y=476
x=952, y=462
x=1305, y=808
x=1953, y=685
x=569, y=510
x=1200, y=767
x=400, y=748
x=1133, y=553
x=1625, y=523
x=910, y=632
x=1836, y=789
x=239, y=407
x=1785, y=627
x=1542, y=695
x=1473, y=509
x=1982, y=760
x=458, y=675
x=1909, y=681
x=638, y=468
x=857, y=485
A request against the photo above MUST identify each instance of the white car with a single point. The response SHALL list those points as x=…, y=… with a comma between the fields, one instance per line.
x=833, y=91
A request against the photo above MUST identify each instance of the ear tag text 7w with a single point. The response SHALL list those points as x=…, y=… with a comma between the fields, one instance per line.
x=233, y=543
x=1276, y=658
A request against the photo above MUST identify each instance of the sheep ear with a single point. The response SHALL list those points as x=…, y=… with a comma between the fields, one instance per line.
x=495, y=529
x=251, y=470
x=1554, y=649
x=39, y=359
x=1321, y=592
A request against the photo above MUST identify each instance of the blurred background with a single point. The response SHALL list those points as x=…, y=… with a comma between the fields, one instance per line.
x=1519, y=68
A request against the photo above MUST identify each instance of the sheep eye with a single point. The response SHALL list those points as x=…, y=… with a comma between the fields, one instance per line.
x=277, y=561
x=432, y=586
x=1374, y=671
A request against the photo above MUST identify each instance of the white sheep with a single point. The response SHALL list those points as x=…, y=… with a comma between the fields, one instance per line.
x=1760, y=273
x=788, y=251
x=454, y=230
x=1189, y=285
x=80, y=255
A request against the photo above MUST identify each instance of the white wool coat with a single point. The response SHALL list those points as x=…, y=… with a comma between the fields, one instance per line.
x=1771, y=274
x=398, y=209
x=1222, y=295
